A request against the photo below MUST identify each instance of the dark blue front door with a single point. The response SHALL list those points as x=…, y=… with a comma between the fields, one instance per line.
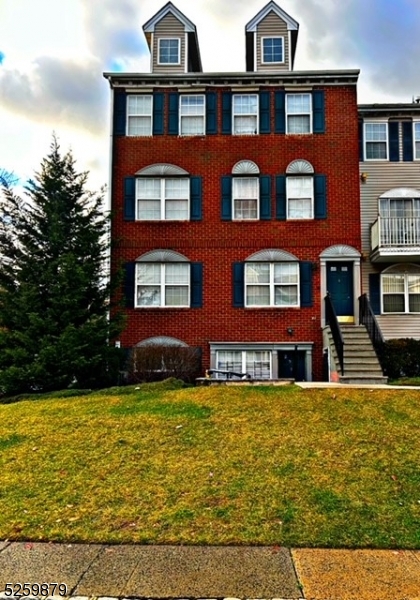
x=340, y=287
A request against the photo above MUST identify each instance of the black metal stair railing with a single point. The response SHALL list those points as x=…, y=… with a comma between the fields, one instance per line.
x=367, y=318
x=332, y=321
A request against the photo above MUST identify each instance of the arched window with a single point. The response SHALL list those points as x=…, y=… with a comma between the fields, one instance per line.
x=245, y=191
x=300, y=190
x=272, y=279
x=246, y=194
x=162, y=192
x=166, y=279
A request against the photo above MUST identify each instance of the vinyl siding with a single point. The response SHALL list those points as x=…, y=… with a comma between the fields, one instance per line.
x=168, y=27
x=272, y=26
x=399, y=326
x=383, y=176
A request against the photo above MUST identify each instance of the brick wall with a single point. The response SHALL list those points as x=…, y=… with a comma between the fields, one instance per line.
x=217, y=244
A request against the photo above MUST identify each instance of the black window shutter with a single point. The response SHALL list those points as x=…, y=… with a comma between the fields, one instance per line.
x=305, y=272
x=227, y=112
x=120, y=112
x=196, y=285
x=196, y=213
x=158, y=106
x=375, y=292
x=318, y=109
x=320, y=197
x=408, y=155
x=394, y=151
x=265, y=197
x=238, y=284
x=361, y=149
x=280, y=112
x=173, y=126
x=281, y=197
x=129, y=274
x=129, y=198
x=227, y=198
x=211, y=113
x=265, y=124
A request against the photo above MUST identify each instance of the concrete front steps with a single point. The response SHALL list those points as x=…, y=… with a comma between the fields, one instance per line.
x=361, y=365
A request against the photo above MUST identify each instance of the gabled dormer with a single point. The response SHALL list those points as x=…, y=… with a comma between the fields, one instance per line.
x=173, y=42
x=271, y=38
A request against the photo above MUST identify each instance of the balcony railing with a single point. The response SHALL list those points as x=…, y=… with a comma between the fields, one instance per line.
x=394, y=232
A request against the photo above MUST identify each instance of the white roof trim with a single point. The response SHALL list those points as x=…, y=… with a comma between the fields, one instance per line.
x=161, y=169
x=401, y=192
x=169, y=8
x=272, y=255
x=271, y=6
x=161, y=256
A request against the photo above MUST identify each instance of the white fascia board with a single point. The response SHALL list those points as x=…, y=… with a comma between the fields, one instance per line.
x=271, y=6
x=169, y=8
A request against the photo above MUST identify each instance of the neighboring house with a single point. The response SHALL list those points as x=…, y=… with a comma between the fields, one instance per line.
x=235, y=199
x=390, y=215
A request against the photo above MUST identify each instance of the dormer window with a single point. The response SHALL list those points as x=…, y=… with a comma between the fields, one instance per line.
x=272, y=50
x=169, y=53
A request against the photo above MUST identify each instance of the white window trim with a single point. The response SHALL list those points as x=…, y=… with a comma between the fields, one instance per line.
x=310, y=113
x=365, y=141
x=169, y=64
x=234, y=198
x=162, y=286
x=256, y=114
x=406, y=296
x=415, y=122
x=139, y=115
x=288, y=178
x=244, y=353
x=272, y=288
x=162, y=200
x=181, y=115
x=272, y=62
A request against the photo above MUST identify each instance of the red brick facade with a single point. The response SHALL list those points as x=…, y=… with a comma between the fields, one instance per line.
x=217, y=244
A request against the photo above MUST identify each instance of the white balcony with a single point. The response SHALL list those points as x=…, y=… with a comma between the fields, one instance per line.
x=395, y=239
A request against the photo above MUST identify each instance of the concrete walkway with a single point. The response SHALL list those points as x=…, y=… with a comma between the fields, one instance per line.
x=211, y=572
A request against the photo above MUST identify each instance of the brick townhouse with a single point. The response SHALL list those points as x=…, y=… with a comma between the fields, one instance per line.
x=235, y=199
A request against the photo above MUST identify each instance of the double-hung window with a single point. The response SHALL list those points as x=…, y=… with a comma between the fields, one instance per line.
x=245, y=114
x=245, y=196
x=162, y=284
x=272, y=284
x=139, y=115
x=272, y=50
x=256, y=363
x=160, y=199
x=300, y=197
x=401, y=292
x=416, y=126
x=169, y=51
x=376, y=141
x=298, y=113
x=192, y=115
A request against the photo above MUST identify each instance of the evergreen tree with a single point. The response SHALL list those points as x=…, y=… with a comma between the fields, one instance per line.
x=54, y=294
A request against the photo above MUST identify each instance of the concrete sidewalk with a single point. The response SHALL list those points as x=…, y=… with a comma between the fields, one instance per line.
x=213, y=572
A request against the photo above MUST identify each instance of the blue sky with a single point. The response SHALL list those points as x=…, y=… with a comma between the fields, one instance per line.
x=53, y=53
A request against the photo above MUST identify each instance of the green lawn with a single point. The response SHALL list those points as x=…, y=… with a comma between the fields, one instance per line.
x=218, y=465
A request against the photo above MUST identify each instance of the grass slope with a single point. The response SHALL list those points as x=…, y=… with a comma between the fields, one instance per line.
x=224, y=465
